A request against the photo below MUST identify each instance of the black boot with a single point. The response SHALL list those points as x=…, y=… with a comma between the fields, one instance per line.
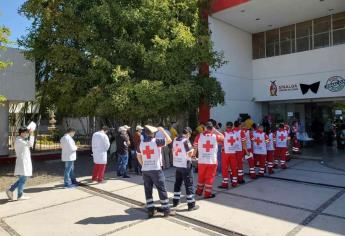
x=169, y=213
x=175, y=202
x=192, y=207
x=151, y=212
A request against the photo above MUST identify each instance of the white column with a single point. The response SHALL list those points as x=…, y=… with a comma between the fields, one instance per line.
x=4, y=129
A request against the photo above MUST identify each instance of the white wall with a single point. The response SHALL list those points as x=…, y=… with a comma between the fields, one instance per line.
x=4, y=129
x=236, y=75
x=17, y=82
x=82, y=124
x=303, y=67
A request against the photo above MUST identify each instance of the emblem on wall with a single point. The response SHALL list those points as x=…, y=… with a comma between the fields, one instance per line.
x=273, y=88
x=335, y=84
x=312, y=87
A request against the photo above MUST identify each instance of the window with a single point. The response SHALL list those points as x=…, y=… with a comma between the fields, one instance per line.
x=322, y=32
x=339, y=28
x=272, y=43
x=287, y=39
x=258, y=45
x=303, y=36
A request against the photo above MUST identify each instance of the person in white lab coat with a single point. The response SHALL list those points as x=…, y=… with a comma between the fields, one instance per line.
x=69, y=155
x=100, y=145
x=23, y=167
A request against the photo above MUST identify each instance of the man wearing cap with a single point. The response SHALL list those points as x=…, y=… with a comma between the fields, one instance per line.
x=229, y=157
x=100, y=145
x=149, y=157
x=182, y=160
x=122, y=151
x=137, y=137
x=206, y=144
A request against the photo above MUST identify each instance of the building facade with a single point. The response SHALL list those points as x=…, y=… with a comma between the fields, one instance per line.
x=17, y=84
x=285, y=59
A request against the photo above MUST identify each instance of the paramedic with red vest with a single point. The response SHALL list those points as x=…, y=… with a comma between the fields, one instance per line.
x=241, y=150
x=206, y=144
x=282, y=138
x=229, y=157
x=260, y=140
x=182, y=160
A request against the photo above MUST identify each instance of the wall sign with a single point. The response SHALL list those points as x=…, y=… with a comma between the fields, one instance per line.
x=335, y=84
x=274, y=88
x=290, y=114
x=313, y=87
x=338, y=112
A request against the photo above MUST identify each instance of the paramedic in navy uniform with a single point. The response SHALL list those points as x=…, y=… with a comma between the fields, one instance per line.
x=182, y=160
x=149, y=156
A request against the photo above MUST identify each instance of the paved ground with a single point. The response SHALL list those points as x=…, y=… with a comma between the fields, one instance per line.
x=307, y=199
x=50, y=171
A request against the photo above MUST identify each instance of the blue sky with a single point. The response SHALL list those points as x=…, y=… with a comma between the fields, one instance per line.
x=10, y=18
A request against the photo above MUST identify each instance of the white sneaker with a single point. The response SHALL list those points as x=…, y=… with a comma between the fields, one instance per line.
x=15, y=195
x=9, y=194
x=24, y=198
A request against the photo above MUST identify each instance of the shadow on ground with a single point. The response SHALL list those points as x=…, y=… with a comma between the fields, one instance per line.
x=111, y=219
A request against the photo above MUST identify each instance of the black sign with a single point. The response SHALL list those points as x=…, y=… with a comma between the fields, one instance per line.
x=313, y=87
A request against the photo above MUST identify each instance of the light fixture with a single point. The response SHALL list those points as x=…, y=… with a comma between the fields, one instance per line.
x=331, y=9
x=257, y=19
x=270, y=25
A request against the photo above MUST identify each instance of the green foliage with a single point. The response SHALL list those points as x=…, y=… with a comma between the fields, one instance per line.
x=128, y=59
x=2, y=100
x=4, y=34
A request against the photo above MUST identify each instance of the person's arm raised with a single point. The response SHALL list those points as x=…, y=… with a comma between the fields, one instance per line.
x=219, y=134
x=167, y=136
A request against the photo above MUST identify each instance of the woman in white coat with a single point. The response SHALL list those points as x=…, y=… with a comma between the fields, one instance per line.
x=23, y=167
x=100, y=145
x=69, y=155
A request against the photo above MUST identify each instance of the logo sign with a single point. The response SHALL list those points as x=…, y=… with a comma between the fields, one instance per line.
x=287, y=87
x=312, y=87
x=274, y=88
x=335, y=84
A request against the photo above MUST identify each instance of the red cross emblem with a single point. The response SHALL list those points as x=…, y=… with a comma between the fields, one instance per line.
x=148, y=152
x=208, y=146
x=258, y=141
x=282, y=137
x=231, y=141
x=177, y=150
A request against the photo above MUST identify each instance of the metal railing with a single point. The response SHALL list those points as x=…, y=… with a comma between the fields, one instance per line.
x=49, y=142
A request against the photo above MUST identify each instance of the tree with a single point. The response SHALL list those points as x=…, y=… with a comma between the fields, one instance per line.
x=133, y=60
x=4, y=34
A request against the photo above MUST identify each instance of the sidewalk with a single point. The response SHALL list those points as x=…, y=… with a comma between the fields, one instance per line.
x=306, y=199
